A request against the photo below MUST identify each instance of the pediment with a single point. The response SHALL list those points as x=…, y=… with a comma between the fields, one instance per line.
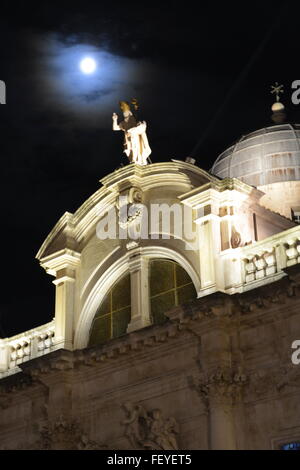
x=72, y=229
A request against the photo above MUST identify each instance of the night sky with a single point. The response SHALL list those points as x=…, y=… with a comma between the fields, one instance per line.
x=202, y=77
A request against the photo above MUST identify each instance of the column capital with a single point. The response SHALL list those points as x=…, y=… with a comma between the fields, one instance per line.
x=205, y=218
x=222, y=387
x=137, y=261
x=61, y=279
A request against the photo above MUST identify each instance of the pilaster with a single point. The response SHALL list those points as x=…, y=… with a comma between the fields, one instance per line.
x=63, y=266
x=139, y=279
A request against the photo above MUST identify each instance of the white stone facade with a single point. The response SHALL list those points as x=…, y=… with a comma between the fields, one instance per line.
x=243, y=258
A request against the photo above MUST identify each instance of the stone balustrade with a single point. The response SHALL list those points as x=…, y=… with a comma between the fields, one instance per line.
x=269, y=257
x=24, y=347
x=258, y=263
x=259, y=266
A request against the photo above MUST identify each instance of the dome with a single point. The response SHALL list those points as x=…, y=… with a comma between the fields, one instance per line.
x=266, y=156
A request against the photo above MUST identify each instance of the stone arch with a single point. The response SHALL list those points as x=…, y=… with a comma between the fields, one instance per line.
x=112, y=275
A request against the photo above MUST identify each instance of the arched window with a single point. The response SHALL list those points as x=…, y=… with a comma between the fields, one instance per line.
x=170, y=285
x=113, y=315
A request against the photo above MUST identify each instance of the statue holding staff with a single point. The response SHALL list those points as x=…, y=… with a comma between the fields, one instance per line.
x=136, y=145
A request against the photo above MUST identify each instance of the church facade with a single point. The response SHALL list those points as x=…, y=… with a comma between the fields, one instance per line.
x=177, y=305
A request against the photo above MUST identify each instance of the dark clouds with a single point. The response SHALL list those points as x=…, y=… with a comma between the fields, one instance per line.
x=201, y=72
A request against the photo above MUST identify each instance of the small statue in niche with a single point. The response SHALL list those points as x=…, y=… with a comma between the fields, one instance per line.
x=136, y=145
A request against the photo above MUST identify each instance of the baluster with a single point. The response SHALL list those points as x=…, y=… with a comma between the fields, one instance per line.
x=260, y=264
x=291, y=252
x=250, y=269
x=270, y=260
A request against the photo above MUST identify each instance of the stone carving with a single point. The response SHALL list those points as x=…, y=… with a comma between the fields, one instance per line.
x=136, y=146
x=148, y=429
x=64, y=434
x=130, y=207
x=236, y=238
x=131, y=245
x=265, y=382
x=135, y=422
x=224, y=386
x=135, y=196
x=266, y=296
x=261, y=383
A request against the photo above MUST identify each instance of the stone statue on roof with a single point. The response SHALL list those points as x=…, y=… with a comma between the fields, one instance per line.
x=136, y=145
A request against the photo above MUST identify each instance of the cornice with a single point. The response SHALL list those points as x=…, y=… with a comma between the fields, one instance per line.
x=60, y=260
x=247, y=305
x=230, y=189
x=65, y=222
x=156, y=170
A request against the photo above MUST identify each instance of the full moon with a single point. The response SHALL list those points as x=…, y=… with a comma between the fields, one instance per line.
x=87, y=65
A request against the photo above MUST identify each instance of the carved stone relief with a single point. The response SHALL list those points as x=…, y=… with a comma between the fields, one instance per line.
x=65, y=434
x=149, y=429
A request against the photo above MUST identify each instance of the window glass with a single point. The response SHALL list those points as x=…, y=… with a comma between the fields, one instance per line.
x=161, y=276
x=170, y=285
x=113, y=316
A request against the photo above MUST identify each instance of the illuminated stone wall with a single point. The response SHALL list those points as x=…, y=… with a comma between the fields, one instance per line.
x=219, y=372
x=215, y=374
